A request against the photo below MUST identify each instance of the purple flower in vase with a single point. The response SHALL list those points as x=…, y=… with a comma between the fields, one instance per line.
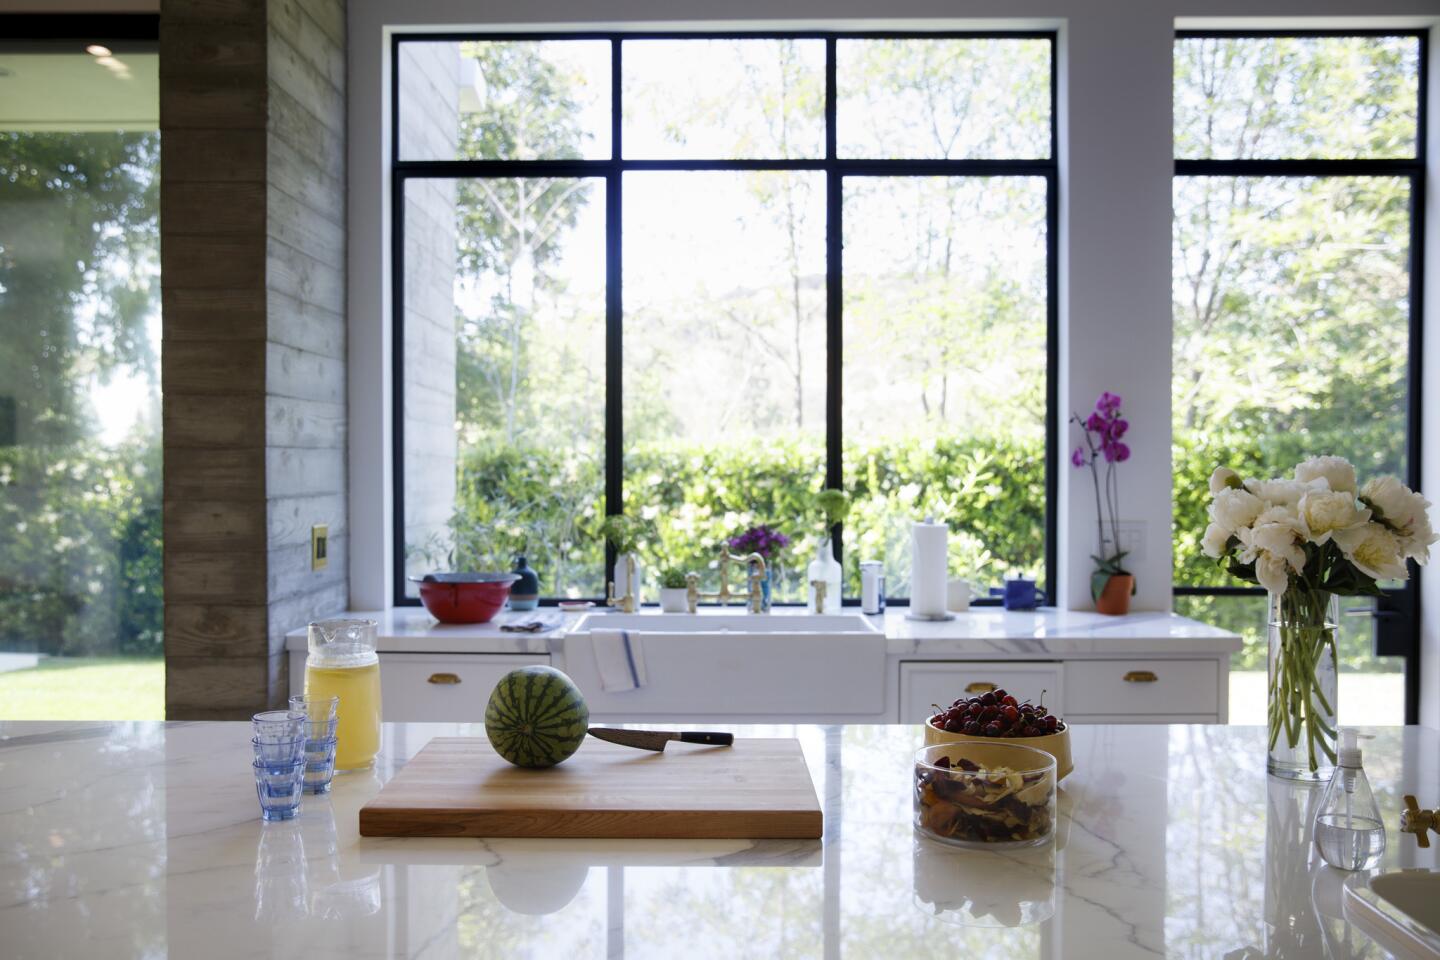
x=1109, y=403
x=760, y=539
x=1077, y=456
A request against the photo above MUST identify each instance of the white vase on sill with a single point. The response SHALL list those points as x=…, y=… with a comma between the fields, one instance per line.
x=621, y=576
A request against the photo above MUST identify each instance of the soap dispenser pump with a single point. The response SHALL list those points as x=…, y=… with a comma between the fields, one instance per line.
x=1348, y=829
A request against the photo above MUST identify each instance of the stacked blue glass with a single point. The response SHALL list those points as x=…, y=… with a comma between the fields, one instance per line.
x=319, y=730
x=279, y=762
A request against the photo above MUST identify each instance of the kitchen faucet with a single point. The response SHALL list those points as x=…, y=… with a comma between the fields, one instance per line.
x=754, y=590
x=1417, y=821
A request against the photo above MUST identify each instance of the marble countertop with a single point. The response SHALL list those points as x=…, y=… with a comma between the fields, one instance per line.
x=981, y=631
x=143, y=840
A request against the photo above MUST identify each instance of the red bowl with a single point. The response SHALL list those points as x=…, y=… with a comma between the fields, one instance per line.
x=464, y=597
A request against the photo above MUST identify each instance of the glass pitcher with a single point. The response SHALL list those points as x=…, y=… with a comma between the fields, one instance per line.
x=343, y=663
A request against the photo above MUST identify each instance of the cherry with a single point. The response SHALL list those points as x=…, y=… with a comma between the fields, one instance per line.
x=1009, y=701
x=989, y=699
x=1000, y=694
x=1011, y=713
x=992, y=730
x=972, y=728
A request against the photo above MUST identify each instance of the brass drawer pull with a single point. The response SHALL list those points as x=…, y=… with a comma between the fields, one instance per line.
x=980, y=686
x=444, y=678
x=1141, y=676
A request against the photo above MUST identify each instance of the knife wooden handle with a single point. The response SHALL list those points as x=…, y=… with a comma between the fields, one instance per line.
x=714, y=739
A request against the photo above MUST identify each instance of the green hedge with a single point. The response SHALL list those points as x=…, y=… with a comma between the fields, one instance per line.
x=80, y=563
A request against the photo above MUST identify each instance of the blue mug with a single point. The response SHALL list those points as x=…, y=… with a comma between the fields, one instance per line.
x=1019, y=594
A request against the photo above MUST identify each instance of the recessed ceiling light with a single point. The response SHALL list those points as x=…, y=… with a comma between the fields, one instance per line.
x=98, y=50
x=107, y=61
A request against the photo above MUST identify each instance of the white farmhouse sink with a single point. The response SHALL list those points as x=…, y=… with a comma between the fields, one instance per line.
x=803, y=623
x=737, y=667
x=1400, y=911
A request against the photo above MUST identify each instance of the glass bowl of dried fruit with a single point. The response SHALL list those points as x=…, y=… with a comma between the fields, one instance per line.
x=996, y=715
x=993, y=795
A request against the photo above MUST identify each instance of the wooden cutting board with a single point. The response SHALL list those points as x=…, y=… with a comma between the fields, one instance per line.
x=459, y=787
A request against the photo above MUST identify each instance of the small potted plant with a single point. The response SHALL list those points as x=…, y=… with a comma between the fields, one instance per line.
x=673, y=598
x=1111, y=585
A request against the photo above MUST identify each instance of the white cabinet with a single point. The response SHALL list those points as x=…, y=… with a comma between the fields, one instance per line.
x=434, y=686
x=923, y=683
x=1152, y=690
x=1138, y=689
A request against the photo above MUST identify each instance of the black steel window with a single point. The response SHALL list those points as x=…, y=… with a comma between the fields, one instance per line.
x=594, y=153
x=1299, y=199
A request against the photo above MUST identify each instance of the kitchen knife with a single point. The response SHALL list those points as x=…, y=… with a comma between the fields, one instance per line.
x=656, y=739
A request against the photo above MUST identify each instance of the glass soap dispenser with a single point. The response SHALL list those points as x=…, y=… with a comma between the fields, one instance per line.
x=1348, y=828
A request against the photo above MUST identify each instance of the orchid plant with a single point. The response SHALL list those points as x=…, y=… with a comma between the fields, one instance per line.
x=1102, y=431
x=1306, y=540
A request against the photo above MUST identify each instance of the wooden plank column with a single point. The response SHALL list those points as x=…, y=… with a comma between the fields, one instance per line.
x=252, y=248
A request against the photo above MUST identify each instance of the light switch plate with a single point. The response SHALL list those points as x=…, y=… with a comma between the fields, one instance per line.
x=319, y=546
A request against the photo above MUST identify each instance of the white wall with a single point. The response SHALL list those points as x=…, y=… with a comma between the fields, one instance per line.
x=1115, y=220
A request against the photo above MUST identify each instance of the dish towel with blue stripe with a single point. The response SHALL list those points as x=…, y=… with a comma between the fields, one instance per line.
x=620, y=660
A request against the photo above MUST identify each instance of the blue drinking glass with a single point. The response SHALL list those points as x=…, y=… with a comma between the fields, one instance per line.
x=278, y=751
x=279, y=787
x=319, y=764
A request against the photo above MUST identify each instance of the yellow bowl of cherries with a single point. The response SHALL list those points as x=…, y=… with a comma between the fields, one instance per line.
x=996, y=714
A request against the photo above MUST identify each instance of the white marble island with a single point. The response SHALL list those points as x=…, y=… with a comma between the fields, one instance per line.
x=143, y=840
x=1150, y=667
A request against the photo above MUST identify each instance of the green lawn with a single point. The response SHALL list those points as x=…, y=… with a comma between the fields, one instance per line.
x=85, y=688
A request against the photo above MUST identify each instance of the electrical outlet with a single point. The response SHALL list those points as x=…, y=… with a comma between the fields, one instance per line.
x=1132, y=541
x=319, y=546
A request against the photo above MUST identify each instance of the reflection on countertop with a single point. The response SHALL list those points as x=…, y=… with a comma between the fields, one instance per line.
x=135, y=839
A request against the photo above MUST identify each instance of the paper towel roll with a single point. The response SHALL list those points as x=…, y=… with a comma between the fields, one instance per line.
x=928, y=569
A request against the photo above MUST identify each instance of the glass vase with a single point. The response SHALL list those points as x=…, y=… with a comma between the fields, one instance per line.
x=1302, y=684
x=765, y=581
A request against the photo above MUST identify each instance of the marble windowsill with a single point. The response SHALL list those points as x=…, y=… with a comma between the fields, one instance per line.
x=982, y=631
x=143, y=839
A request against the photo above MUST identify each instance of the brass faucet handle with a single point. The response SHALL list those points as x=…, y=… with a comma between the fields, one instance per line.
x=1417, y=821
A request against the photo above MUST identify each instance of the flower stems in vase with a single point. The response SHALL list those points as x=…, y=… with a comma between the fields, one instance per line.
x=1302, y=683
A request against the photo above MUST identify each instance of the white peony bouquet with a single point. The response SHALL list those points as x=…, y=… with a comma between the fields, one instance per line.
x=1307, y=541
x=1318, y=531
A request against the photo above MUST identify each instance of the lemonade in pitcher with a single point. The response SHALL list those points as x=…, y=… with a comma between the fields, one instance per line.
x=343, y=663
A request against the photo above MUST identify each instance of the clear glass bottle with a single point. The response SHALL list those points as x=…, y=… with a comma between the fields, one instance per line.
x=1349, y=831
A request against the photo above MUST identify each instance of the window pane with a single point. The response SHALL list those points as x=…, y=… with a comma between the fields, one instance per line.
x=504, y=383
x=943, y=99
x=1296, y=97
x=1292, y=320
x=508, y=100
x=1372, y=689
x=723, y=99
x=945, y=359
x=725, y=359
x=80, y=551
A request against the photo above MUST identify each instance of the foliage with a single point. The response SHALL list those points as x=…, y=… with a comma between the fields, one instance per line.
x=672, y=578
x=80, y=565
x=627, y=534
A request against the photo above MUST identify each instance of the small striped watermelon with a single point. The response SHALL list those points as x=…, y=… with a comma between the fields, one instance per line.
x=536, y=717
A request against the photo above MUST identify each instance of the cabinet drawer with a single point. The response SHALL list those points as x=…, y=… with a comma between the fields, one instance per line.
x=926, y=682
x=443, y=687
x=1155, y=687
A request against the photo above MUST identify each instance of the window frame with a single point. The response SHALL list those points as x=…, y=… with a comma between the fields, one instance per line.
x=1397, y=621
x=611, y=171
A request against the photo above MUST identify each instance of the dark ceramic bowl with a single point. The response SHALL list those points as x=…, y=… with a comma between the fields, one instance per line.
x=464, y=597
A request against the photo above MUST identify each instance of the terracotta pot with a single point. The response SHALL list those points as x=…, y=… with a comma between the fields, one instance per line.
x=1115, y=598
